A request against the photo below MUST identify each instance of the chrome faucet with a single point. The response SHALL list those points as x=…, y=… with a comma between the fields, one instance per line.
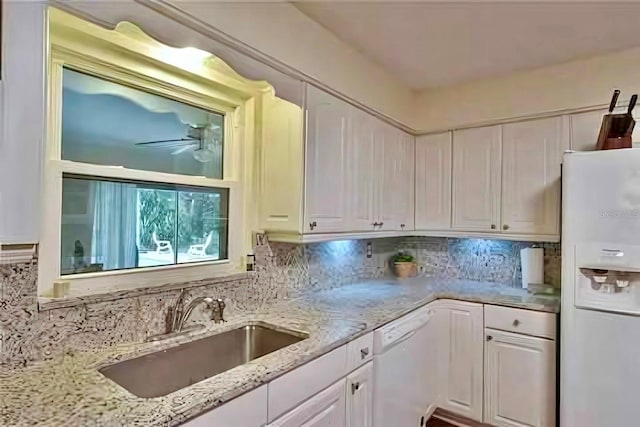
x=178, y=314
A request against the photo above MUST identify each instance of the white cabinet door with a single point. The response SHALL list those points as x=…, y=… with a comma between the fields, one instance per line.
x=326, y=409
x=460, y=358
x=476, y=179
x=248, y=410
x=362, y=171
x=433, y=182
x=531, y=159
x=360, y=397
x=281, y=165
x=395, y=166
x=326, y=171
x=520, y=380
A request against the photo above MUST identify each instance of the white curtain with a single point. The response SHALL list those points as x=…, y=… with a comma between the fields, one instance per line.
x=113, y=243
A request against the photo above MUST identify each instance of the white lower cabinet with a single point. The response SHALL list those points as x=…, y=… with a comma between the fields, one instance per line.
x=460, y=357
x=486, y=363
x=360, y=397
x=248, y=410
x=326, y=409
x=520, y=386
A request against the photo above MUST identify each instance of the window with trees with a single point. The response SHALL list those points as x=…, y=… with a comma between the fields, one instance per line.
x=132, y=224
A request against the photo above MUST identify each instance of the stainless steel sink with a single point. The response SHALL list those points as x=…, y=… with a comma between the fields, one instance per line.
x=158, y=374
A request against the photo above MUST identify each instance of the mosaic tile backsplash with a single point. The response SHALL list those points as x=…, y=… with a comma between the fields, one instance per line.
x=282, y=271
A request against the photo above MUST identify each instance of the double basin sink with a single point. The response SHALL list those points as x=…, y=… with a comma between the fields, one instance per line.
x=163, y=372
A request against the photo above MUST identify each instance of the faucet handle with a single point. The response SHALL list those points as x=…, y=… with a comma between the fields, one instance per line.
x=217, y=310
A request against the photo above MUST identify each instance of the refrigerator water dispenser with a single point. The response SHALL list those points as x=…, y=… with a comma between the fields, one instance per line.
x=608, y=277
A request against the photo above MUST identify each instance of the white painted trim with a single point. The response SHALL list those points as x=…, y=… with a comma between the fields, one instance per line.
x=456, y=419
x=122, y=280
x=480, y=235
x=119, y=172
x=17, y=254
x=286, y=237
x=522, y=118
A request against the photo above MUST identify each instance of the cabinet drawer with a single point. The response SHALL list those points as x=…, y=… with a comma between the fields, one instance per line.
x=359, y=351
x=521, y=321
x=302, y=383
x=248, y=410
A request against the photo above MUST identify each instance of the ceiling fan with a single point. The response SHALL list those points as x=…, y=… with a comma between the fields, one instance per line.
x=194, y=140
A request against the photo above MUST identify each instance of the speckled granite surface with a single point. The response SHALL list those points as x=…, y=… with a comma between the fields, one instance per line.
x=69, y=391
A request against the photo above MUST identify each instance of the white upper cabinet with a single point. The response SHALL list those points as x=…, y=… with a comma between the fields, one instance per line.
x=360, y=397
x=281, y=187
x=460, y=358
x=362, y=171
x=395, y=172
x=531, y=159
x=476, y=179
x=357, y=170
x=326, y=172
x=519, y=380
x=433, y=182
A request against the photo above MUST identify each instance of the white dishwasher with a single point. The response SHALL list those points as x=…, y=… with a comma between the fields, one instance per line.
x=404, y=388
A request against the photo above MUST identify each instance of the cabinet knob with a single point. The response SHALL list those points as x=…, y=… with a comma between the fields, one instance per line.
x=381, y=224
x=505, y=227
x=402, y=225
x=489, y=337
x=313, y=225
x=375, y=224
x=493, y=226
x=516, y=322
x=355, y=387
x=364, y=352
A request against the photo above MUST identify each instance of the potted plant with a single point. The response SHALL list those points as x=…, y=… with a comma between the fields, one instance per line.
x=403, y=264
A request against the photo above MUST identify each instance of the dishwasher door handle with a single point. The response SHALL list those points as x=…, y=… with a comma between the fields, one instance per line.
x=403, y=338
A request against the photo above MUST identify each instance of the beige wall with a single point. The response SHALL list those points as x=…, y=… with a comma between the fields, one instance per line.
x=576, y=84
x=283, y=32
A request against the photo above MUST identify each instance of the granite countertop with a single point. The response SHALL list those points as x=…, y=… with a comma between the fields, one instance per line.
x=70, y=390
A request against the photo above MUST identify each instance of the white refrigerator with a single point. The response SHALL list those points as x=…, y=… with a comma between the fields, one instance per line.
x=600, y=323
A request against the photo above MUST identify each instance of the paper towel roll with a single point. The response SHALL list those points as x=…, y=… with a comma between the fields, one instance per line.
x=532, y=261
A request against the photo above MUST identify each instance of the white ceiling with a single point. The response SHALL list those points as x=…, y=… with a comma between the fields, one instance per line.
x=428, y=44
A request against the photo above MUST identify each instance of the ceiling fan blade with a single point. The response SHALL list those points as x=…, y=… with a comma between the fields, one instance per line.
x=165, y=141
x=183, y=149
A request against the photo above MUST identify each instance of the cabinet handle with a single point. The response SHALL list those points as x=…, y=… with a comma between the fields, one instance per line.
x=516, y=322
x=422, y=421
x=364, y=352
x=313, y=225
x=489, y=337
x=505, y=227
x=375, y=224
x=493, y=226
x=355, y=387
